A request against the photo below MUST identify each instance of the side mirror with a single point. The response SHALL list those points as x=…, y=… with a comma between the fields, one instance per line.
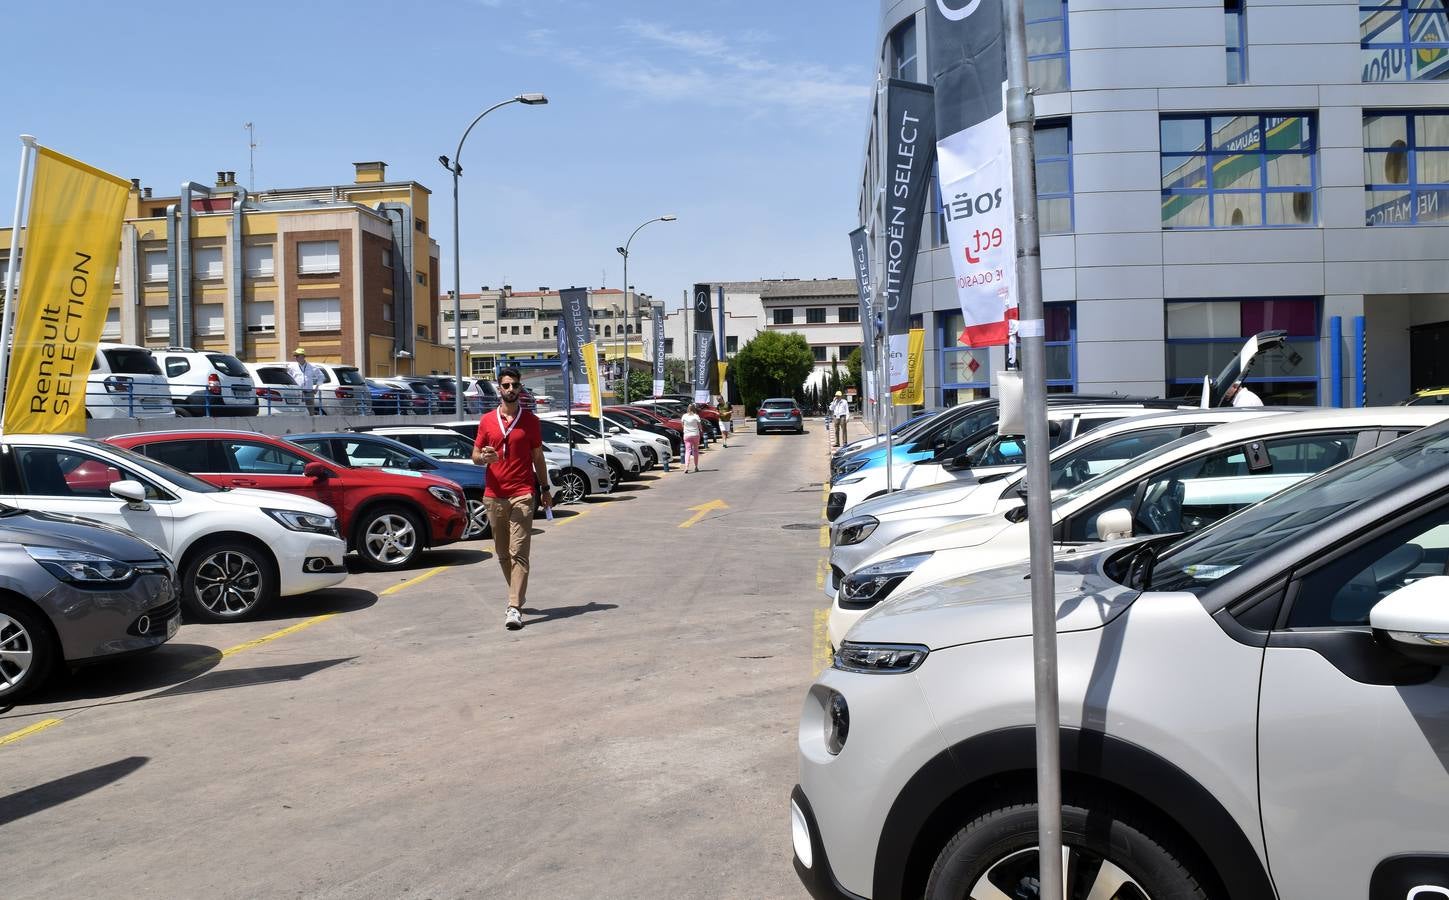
x=316, y=471
x=1114, y=524
x=129, y=491
x=961, y=462
x=419, y=465
x=1414, y=620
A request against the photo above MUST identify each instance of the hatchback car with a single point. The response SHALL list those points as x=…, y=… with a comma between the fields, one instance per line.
x=76, y=592
x=236, y=551
x=126, y=383
x=779, y=414
x=387, y=517
x=207, y=383
x=1271, y=689
x=343, y=391
x=277, y=393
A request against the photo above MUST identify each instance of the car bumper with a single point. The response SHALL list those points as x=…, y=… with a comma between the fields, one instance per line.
x=94, y=624
x=817, y=876
x=446, y=527
x=293, y=578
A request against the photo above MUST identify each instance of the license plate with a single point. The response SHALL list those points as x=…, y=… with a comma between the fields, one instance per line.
x=241, y=390
x=173, y=625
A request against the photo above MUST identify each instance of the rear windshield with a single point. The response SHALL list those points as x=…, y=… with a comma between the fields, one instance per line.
x=228, y=365
x=131, y=362
x=275, y=376
x=349, y=375
x=779, y=404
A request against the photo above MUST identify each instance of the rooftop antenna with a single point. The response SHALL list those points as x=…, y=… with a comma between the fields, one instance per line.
x=251, y=157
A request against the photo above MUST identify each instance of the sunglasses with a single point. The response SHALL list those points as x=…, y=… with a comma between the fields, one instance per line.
x=507, y=386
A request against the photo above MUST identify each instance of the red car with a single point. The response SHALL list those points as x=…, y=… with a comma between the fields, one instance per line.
x=386, y=515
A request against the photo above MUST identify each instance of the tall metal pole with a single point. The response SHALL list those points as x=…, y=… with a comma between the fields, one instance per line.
x=1031, y=331
x=624, y=251
x=7, y=321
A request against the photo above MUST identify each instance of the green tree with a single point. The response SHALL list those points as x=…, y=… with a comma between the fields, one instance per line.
x=676, y=375
x=641, y=385
x=772, y=364
x=852, y=366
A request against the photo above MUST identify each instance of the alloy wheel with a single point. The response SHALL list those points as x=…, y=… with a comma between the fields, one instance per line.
x=228, y=583
x=17, y=652
x=391, y=539
x=477, y=519
x=1088, y=876
x=574, y=489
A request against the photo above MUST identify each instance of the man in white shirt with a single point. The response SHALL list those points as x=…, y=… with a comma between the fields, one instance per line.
x=308, y=377
x=1241, y=396
x=839, y=413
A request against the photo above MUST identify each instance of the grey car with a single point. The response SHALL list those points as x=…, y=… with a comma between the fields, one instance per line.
x=779, y=414
x=74, y=591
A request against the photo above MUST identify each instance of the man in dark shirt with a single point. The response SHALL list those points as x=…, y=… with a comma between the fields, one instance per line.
x=510, y=444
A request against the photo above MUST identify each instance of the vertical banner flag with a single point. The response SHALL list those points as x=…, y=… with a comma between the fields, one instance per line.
x=703, y=356
x=657, y=317
x=915, y=392
x=860, y=257
x=967, y=46
x=910, y=131
x=565, y=358
x=720, y=354
x=590, y=353
x=72, y=241
x=580, y=332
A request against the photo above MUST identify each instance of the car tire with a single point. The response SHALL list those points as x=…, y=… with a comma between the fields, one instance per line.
x=23, y=630
x=574, y=487
x=998, y=848
x=616, y=470
x=388, y=538
x=226, y=581
x=477, y=518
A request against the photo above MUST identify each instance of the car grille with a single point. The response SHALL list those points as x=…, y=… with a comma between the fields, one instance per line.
x=157, y=617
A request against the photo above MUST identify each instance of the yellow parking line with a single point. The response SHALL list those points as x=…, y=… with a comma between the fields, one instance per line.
x=577, y=515
x=26, y=732
x=412, y=581
x=820, y=574
x=821, y=657
x=825, y=536
x=290, y=629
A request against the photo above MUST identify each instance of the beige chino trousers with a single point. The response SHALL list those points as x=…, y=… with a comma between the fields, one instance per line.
x=511, y=519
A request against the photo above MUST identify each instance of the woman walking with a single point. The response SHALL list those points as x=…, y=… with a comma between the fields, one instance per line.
x=692, y=429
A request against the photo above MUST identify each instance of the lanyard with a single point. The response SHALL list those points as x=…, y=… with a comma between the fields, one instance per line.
x=506, y=431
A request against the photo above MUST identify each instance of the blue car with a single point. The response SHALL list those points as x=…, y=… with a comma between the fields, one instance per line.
x=385, y=400
x=360, y=449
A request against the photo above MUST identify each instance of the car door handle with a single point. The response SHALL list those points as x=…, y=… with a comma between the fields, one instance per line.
x=243, y=482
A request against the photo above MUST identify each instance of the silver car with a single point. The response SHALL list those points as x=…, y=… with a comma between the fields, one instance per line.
x=74, y=591
x=779, y=414
x=1271, y=687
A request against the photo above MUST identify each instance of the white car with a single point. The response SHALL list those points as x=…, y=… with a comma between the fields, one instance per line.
x=624, y=464
x=343, y=391
x=207, y=383
x=126, y=383
x=235, y=550
x=652, y=448
x=277, y=393
x=576, y=474
x=1182, y=486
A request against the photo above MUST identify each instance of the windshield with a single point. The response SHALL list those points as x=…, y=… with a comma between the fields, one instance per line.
x=183, y=480
x=348, y=375
x=132, y=362
x=1241, y=539
x=1138, y=465
x=779, y=404
x=270, y=375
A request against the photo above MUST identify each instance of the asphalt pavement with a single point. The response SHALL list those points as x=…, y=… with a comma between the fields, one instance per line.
x=388, y=737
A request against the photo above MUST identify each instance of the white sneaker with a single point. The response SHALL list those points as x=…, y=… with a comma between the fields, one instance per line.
x=513, y=619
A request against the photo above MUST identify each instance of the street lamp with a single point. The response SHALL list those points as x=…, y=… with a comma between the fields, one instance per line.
x=455, y=166
x=624, y=252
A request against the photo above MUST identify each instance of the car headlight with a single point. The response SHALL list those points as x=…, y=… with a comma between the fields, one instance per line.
x=865, y=587
x=597, y=464
x=853, y=531
x=853, y=480
x=850, y=467
x=81, y=567
x=445, y=495
x=304, y=521
x=879, y=659
x=620, y=447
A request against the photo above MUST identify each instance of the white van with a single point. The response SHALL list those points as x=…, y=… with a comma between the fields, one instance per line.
x=126, y=383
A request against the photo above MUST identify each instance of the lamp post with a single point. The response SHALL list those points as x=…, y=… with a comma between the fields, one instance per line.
x=624, y=252
x=455, y=166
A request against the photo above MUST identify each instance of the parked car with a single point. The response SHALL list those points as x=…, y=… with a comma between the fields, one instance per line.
x=407, y=401
x=779, y=414
x=207, y=383
x=651, y=448
x=235, y=551
x=277, y=393
x=631, y=417
x=386, y=517
x=372, y=449
x=126, y=383
x=624, y=464
x=479, y=396
x=444, y=391
x=1428, y=397
x=580, y=473
x=343, y=391
x=873, y=440
x=74, y=592
x=709, y=417
x=1267, y=689
x=387, y=399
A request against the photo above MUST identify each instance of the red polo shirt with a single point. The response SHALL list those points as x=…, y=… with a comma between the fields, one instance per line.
x=512, y=474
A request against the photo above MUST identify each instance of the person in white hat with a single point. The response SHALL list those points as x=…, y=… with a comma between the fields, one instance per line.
x=839, y=413
x=308, y=377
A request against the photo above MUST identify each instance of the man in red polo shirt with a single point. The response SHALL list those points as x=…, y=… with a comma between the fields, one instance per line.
x=510, y=444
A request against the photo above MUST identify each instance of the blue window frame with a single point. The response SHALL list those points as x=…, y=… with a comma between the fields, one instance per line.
x=969, y=368
x=1054, y=176
x=1047, y=45
x=1406, y=167
x=1203, y=335
x=1403, y=40
x=1239, y=170
x=903, y=54
x=1236, y=40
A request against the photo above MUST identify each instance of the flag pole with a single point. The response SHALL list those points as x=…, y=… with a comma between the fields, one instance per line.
x=1031, y=331
x=12, y=289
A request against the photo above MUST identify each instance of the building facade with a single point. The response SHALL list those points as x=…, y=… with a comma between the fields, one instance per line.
x=349, y=272
x=501, y=325
x=1207, y=170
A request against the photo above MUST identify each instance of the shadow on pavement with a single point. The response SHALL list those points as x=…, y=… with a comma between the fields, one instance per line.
x=63, y=790
x=167, y=665
x=612, y=498
x=563, y=612
x=452, y=556
x=632, y=487
x=317, y=603
x=564, y=514
x=234, y=678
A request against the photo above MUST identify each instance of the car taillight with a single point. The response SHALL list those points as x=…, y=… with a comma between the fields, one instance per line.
x=342, y=393
x=794, y=412
x=389, y=396
x=269, y=394
x=213, y=383
x=117, y=384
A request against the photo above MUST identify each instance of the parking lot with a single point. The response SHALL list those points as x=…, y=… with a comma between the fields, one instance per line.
x=387, y=737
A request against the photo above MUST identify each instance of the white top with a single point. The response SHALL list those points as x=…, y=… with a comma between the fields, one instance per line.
x=1245, y=397
x=839, y=408
x=691, y=424
x=307, y=375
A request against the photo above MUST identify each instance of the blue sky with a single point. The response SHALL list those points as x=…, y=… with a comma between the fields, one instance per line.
x=746, y=118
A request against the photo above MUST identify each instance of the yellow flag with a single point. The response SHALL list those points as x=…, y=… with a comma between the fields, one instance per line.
x=71, y=244
x=914, y=393
x=591, y=363
x=723, y=368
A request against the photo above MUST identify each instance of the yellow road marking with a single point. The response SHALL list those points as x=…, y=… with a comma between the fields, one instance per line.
x=290, y=629
x=824, y=535
x=701, y=511
x=821, y=657
x=579, y=513
x=412, y=581
x=820, y=574
x=26, y=732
